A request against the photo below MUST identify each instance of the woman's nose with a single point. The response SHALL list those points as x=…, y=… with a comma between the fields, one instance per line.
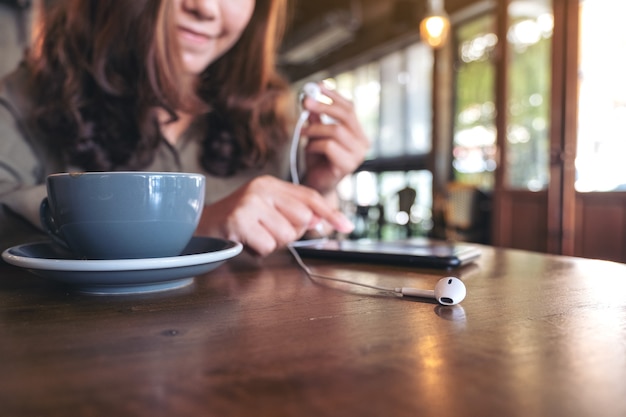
x=202, y=9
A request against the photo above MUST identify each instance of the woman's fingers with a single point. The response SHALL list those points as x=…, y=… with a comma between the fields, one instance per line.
x=268, y=213
x=333, y=150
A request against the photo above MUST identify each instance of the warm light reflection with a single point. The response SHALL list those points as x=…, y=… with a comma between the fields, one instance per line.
x=435, y=26
x=432, y=359
x=36, y=27
x=434, y=30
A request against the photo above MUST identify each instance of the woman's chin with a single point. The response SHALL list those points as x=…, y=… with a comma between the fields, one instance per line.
x=195, y=65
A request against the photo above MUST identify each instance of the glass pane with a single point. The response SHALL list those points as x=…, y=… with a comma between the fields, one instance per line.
x=529, y=39
x=418, y=220
x=344, y=84
x=392, y=98
x=366, y=188
x=390, y=183
x=367, y=100
x=419, y=63
x=421, y=213
x=602, y=97
x=362, y=87
x=373, y=203
x=474, y=142
x=359, y=196
x=392, y=105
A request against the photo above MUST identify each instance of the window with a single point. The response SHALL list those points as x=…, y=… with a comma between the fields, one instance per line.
x=529, y=39
x=392, y=97
x=528, y=98
x=362, y=86
x=602, y=97
x=474, y=137
x=393, y=85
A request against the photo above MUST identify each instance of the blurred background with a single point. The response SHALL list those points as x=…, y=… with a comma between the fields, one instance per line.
x=509, y=131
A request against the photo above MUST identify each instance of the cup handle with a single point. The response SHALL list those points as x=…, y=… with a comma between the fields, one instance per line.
x=48, y=223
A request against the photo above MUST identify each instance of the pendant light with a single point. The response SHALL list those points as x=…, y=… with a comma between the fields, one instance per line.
x=435, y=25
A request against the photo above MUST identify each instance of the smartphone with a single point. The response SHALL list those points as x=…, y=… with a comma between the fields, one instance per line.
x=419, y=252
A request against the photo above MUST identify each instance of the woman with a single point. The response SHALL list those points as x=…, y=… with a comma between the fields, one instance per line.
x=174, y=85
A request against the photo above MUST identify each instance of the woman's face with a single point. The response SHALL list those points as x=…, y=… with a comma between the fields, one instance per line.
x=206, y=29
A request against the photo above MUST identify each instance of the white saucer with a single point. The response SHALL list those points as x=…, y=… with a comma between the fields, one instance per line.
x=123, y=276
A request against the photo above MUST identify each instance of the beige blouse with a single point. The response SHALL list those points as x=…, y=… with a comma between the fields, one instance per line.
x=26, y=158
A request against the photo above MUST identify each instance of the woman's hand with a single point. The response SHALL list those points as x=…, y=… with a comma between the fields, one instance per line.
x=268, y=213
x=333, y=150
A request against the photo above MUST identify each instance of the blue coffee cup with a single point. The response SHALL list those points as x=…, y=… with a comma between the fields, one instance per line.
x=123, y=215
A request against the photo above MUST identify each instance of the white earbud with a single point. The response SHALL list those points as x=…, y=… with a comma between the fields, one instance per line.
x=312, y=90
x=448, y=291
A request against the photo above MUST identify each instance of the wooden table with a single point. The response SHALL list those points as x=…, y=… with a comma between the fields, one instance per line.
x=537, y=335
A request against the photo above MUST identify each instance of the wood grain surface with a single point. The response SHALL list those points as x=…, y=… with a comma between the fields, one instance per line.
x=537, y=335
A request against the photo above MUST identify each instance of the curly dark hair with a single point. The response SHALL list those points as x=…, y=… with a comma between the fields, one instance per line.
x=101, y=67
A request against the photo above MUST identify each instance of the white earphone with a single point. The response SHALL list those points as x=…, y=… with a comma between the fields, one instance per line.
x=448, y=291
x=312, y=90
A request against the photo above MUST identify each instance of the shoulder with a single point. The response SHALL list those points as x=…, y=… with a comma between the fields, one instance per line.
x=23, y=148
x=14, y=93
x=15, y=105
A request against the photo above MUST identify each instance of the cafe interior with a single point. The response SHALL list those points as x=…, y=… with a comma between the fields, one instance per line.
x=502, y=127
x=507, y=126
x=495, y=123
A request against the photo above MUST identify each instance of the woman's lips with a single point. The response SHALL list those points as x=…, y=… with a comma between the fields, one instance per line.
x=193, y=36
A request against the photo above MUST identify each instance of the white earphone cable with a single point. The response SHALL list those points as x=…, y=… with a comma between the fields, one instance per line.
x=452, y=293
x=295, y=178
x=293, y=156
x=312, y=274
x=295, y=140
